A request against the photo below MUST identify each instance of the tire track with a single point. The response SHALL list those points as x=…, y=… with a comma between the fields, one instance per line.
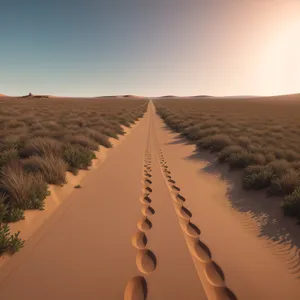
x=146, y=262
x=214, y=277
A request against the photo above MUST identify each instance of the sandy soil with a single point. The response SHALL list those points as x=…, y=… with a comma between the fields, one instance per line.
x=149, y=223
x=258, y=252
x=34, y=219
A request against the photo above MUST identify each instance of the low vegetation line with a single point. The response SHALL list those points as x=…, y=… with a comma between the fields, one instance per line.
x=42, y=139
x=261, y=138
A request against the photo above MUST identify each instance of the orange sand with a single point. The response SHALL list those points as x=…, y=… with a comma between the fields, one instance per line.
x=149, y=222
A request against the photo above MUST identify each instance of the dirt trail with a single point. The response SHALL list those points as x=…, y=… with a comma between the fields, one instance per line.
x=103, y=243
x=146, y=225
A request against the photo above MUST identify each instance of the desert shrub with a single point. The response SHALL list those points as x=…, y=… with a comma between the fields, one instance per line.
x=285, y=184
x=243, y=141
x=291, y=155
x=192, y=132
x=291, y=204
x=83, y=141
x=259, y=159
x=4, y=238
x=207, y=132
x=13, y=214
x=99, y=138
x=23, y=190
x=279, y=167
x=124, y=121
x=11, y=124
x=296, y=165
x=36, y=126
x=53, y=168
x=227, y=151
x=3, y=207
x=78, y=157
x=52, y=125
x=270, y=157
x=9, y=243
x=8, y=156
x=241, y=159
x=41, y=146
x=12, y=141
x=109, y=132
x=39, y=133
x=216, y=142
x=257, y=177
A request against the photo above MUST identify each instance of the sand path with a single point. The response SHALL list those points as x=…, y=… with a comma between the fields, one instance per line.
x=147, y=224
x=99, y=244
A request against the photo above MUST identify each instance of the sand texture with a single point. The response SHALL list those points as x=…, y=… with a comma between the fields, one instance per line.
x=148, y=223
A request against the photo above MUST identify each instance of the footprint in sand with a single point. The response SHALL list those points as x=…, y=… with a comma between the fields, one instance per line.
x=201, y=252
x=148, y=181
x=148, y=189
x=144, y=224
x=146, y=199
x=139, y=240
x=192, y=230
x=180, y=198
x=146, y=261
x=136, y=289
x=176, y=188
x=185, y=213
x=147, y=210
x=214, y=274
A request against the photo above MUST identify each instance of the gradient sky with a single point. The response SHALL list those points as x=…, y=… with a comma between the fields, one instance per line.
x=150, y=47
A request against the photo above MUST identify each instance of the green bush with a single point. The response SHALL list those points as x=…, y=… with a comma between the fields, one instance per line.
x=257, y=177
x=285, y=184
x=78, y=157
x=9, y=243
x=13, y=214
x=3, y=207
x=291, y=204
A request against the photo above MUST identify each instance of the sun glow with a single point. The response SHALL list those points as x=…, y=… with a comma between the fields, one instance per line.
x=282, y=58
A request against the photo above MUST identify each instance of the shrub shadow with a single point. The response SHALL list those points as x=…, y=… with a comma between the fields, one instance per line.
x=274, y=227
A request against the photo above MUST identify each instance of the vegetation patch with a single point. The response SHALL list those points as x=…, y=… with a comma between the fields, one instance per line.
x=43, y=138
x=246, y=135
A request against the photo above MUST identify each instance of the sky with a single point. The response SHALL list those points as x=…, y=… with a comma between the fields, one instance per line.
x=151, y=48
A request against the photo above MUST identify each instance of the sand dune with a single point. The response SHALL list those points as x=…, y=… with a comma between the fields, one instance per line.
x=148, y=224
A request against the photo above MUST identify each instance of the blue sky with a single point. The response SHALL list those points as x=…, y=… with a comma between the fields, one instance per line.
x=157, y=47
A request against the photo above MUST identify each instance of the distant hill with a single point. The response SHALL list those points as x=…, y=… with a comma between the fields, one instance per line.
x=203, y=96
x=37, y=96
x=121, y=96
x=2, y=95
